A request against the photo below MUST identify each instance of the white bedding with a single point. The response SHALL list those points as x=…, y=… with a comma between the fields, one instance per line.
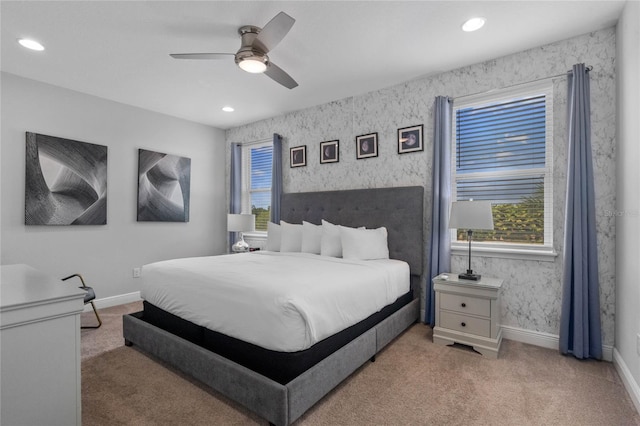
x=280, y=301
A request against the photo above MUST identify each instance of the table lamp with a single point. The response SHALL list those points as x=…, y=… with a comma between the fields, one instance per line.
x=240, y=223
x=470, y=215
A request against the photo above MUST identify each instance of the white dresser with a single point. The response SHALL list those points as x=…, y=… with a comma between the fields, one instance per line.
x=467, y=312
x=39, y=348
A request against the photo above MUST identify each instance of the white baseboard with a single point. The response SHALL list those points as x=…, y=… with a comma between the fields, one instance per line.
x=627, y=379
x=545, y=340
x=536, y=338
x=120, y=299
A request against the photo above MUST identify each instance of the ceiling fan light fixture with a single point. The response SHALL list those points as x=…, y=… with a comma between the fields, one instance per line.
x=253, y=64
x=473, y=24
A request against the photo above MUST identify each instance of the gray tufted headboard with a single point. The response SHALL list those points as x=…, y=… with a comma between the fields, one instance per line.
x=400, y=210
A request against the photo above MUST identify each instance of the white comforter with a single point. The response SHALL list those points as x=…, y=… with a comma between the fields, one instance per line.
x=281, y=301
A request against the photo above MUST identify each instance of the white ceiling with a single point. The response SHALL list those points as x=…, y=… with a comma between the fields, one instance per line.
x=120, y=50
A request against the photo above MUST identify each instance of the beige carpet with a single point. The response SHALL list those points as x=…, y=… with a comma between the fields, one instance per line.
x=109, y=335
x=412, y=382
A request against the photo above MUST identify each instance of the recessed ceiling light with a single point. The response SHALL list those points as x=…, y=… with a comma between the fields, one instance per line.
x=30, y=44
x=473, y=24
x=228, y=109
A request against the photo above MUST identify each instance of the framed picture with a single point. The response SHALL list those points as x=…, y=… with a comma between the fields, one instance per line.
x=367, y=146
x=164, y=183
x=410, y=139
x=298, y=156
x=329, y=152
x=66, y=182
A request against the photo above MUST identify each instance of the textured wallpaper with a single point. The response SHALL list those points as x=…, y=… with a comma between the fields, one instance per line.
x=532, y=291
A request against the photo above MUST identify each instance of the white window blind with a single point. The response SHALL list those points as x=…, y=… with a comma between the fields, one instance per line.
x=507, y=135
x=502, y=154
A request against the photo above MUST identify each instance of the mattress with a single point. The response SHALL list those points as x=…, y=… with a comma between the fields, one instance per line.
x=281, y=367
x=283, y=302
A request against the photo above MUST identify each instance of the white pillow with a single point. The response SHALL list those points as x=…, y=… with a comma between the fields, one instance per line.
x=331, y=244
x=364, y=244
x=311, y=237
x=291, y=239
x=273, y=236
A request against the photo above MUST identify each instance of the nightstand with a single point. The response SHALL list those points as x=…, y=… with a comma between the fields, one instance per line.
x=467, y=312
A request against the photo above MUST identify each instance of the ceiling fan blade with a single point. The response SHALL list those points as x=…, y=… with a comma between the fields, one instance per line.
x=280, y=76
x=273, y=32
x=201, y=55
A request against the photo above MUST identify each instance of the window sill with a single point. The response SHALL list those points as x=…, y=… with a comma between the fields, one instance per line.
x=546, y=254
x=255, y=235
x=256, y=239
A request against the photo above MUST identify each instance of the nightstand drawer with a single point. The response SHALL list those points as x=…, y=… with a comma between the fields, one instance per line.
x=465, y=304
x=466, y=324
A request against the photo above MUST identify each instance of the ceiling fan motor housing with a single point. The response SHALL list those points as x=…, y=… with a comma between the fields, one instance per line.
x=249, y=52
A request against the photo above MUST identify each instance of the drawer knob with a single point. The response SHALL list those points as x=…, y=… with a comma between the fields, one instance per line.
x=464, y=305
x=463, y=324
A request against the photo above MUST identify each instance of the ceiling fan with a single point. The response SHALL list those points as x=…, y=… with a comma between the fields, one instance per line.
x=256, y=42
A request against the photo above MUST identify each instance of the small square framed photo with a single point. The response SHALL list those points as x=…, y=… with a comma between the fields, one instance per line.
x=367, y=146
x=298, y=156
x=329, y=152
x=410, y=139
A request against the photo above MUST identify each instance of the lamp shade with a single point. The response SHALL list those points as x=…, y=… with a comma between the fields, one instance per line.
x=471, y=215
x=241, y=222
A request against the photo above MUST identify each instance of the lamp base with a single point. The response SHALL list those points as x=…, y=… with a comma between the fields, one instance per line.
x=240, y=246
x=469, y=276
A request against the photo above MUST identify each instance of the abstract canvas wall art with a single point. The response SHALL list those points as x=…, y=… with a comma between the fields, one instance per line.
x=163, y=187
x=66, y=182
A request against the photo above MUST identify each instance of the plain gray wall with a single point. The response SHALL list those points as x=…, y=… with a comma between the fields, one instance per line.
x=106, y=255
x=628, y=205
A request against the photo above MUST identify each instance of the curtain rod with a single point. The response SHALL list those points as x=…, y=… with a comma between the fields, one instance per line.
x=255, y=142
x=588, y=68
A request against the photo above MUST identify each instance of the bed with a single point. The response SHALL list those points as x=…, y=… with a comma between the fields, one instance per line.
x=281, y=385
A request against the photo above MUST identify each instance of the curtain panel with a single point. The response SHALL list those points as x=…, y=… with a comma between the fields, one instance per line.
x=580, y=330
x=440, y=237
x=235, y=186
x=276, y=178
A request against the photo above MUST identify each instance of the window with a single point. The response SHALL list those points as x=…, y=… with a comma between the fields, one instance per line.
x=502, y=153
x=256, y=195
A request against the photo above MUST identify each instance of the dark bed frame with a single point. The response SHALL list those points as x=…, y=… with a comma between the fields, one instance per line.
x=282, y=397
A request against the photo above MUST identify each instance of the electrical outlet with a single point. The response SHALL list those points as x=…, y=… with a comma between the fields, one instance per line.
x=137, y=272
x=638, y=343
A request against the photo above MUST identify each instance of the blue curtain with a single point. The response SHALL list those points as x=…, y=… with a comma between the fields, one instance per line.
x=276, y=178
x=439, y=239
x=235, y=185
x=580, y=333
